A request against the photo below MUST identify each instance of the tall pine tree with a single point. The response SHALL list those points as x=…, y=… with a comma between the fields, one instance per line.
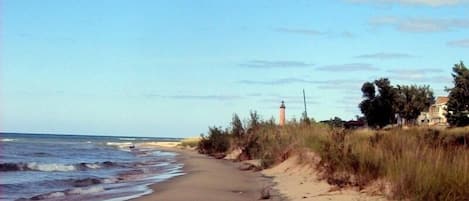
x=458, y=103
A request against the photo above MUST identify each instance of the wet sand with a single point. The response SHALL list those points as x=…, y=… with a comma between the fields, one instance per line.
x=208, y=179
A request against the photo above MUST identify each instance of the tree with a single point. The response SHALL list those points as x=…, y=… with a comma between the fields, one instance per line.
x=458, y=103
x=412, y=100
x=217, y=141
x=254, y=120
x=237, y=129
x=336, y=122
x=378, y=108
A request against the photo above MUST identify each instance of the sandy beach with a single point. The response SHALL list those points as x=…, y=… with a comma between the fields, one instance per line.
x=301, y=182
x=208, y=179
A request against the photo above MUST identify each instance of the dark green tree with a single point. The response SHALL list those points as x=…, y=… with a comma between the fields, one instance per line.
x=412, y=100
x=458, y=103
x=336, y=122
x=217, y=141
x=237, y=129
x=378, y=108
x=254, y=120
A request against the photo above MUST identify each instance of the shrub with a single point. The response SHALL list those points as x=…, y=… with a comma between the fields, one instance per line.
x=217, y=142
x=190, y=142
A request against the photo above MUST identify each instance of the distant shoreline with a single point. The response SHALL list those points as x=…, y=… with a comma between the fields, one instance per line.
x=166, y=139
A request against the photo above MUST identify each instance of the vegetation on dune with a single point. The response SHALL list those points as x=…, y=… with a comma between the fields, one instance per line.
x=412, y=100
x=217, y=142
x=378, y=108
x=190, y=142
x=406, y=101
x=416, y=164
x=458, y=103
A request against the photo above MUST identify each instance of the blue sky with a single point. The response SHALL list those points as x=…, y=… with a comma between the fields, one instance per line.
x=173, y=68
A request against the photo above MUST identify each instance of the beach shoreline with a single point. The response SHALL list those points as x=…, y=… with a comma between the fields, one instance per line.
x=209, y=179
x=206, y=178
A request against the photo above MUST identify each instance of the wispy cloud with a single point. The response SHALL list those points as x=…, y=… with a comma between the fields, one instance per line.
x=255, y=94
x=195, y=97
x=275, y=64
x=288, y=102
x=347, y=34
x=281, y=81
x=422, y=75
x=434, y=3
x=303, y=31
x=321, y=84
x=291, y=102
x=347, y=85
x=459, y=43
x=314, y=32
x=415, y=71
x=420, y=24
x=384, y=55
x=349, y=67
x=422, y=78
x=350, y=100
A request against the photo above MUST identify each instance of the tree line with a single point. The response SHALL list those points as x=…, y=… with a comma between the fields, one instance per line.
x=384, y=103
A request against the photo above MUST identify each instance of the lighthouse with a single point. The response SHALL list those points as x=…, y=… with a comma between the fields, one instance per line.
x=282, y=114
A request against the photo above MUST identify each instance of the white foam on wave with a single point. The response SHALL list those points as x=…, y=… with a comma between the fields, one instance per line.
x=53, y=167
x=8, y=140
x=123, y=146
x=143, y=189
x=82, y=191
x=109, y=180
x=55, y=195
x=164, y=153
x=119, y=144
x=92, y=166
x=127, y=139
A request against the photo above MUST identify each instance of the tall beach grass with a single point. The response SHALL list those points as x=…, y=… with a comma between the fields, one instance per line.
x=417, y=163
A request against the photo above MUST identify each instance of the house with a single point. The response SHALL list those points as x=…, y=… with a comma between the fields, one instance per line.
x=436, y=113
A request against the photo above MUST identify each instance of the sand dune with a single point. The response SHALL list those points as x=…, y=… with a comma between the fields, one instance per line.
x=301, y=182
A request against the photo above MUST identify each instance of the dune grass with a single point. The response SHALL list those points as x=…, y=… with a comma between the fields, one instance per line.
x=190, y=142
x=418, y=163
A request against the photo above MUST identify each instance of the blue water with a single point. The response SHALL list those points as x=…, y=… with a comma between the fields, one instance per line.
x=75, y=167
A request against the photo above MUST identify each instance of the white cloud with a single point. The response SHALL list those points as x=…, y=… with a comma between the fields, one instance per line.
x=275, y=64
x=420, y=24
x=299, y=31
x=385, y=55
x=421, y=75
x=434, y=3
x=459, y=43
x=349, y=67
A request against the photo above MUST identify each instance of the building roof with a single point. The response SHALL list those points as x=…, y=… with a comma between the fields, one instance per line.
x=441, y=100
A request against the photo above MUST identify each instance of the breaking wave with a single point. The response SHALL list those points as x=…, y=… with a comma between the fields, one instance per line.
x=73, y=191
x=8, y=140
x=52, y=167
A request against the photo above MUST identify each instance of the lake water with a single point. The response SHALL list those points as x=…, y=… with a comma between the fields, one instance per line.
x=75, y=167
